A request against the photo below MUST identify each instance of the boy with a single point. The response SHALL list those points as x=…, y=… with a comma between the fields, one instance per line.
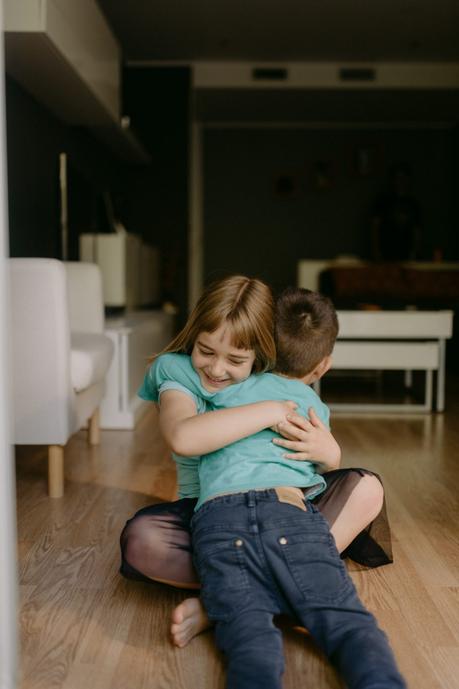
x=260, y=547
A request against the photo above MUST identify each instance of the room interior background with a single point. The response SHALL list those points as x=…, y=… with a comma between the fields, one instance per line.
x=245, y=214
x=247, y=221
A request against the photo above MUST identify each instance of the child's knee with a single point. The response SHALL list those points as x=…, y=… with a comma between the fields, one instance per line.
x=138, y=542
x=370, y=494
x=132, y=550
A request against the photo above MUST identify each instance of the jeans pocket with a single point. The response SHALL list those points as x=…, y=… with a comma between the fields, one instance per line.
x=315, y=567
x=222, y=570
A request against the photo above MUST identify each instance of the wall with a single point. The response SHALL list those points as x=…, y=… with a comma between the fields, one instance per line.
x=250, y=228
x=158, y=102
x=35, y=138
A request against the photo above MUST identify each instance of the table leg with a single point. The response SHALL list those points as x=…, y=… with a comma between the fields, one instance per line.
x=441, y=375
x=428, y=394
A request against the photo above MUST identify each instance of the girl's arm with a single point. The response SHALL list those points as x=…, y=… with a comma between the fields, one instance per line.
x=310, y=439
x=188, y=433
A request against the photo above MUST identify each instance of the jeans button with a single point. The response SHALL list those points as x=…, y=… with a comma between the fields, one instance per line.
x=283, y=540
x=238, y=543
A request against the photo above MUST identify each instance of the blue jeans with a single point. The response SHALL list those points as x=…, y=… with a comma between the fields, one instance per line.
x=257, y=557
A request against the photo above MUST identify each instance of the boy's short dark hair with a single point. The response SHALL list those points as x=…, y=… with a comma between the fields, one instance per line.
x=306, y=327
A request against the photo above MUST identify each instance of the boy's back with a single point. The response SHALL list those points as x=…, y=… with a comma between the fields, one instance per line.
x=256, y=462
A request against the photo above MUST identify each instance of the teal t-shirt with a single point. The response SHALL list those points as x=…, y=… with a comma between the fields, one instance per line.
x=255, y=461
x=187, y=467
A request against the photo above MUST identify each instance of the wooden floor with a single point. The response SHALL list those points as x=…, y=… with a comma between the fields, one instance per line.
x=83, y=626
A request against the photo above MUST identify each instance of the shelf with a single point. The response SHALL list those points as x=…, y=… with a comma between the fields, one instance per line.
x=67, y=58
x=123, y=143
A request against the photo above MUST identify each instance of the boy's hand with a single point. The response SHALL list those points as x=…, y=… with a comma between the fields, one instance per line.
x=309, y=439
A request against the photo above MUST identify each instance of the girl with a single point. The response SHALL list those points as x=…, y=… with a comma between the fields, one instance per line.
x=229, y=336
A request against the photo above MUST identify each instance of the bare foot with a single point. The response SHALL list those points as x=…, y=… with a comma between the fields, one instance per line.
x=188, y=620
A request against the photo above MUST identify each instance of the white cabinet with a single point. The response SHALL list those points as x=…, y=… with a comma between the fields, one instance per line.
x=130, y=269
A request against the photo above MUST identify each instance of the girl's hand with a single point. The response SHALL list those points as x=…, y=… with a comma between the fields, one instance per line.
x=310, y=440
x=281, y=412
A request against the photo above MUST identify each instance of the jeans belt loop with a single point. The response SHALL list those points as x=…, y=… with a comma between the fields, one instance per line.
x=251, y=501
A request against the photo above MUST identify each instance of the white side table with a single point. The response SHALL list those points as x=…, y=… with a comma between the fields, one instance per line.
x=135, y=337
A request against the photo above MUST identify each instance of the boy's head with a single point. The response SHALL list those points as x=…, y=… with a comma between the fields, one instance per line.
x=306, y=327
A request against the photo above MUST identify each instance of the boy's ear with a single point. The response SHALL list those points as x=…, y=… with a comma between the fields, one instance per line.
x=321, y=368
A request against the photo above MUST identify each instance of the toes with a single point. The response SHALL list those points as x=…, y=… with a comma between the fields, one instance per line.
x=180, y=640
x=177, y=615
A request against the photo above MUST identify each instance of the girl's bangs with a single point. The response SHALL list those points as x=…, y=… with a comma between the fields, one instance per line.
x=243, y=335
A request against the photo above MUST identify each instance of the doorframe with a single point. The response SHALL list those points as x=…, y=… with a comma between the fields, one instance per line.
x=8, y=529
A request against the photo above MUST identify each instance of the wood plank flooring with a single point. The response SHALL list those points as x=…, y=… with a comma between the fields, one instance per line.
x=83, y=626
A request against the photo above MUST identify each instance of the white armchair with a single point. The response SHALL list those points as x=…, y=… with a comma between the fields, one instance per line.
x=60, y=355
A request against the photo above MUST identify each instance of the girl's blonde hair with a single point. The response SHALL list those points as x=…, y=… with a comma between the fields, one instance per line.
x=246, y=304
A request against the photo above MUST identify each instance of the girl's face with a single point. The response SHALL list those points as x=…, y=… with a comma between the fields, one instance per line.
x=217, y=362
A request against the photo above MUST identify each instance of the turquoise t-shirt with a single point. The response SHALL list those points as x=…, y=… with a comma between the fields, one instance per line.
x=255, y=461
x=187, y=467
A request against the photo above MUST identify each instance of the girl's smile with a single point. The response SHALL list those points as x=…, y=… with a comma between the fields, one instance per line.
x=217, y=362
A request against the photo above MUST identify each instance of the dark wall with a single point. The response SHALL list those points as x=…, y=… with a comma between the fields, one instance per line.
x=268, y=203
x=158, y=102
x=455, y=176
x=35, y=138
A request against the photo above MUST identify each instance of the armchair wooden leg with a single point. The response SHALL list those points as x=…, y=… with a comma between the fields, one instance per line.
x=93, y=430
x=55, y=471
